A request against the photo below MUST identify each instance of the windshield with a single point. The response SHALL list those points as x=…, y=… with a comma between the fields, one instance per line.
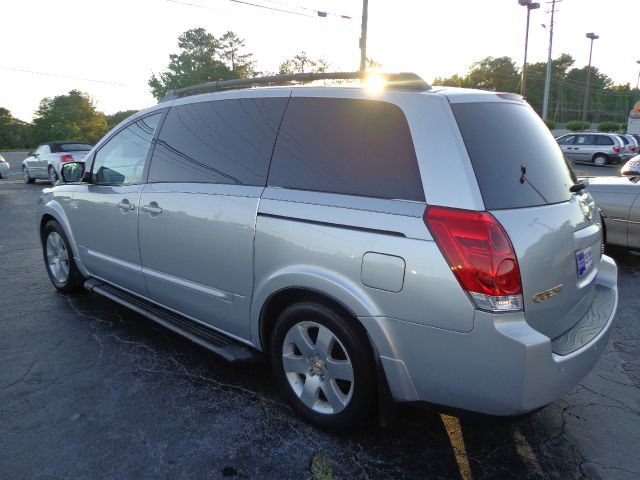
x=515, y=158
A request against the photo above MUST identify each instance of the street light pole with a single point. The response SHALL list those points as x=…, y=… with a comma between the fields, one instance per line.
x=530, y=6
x=591, y=36
x=638, y=81
x=363, y=37
x=547, y=81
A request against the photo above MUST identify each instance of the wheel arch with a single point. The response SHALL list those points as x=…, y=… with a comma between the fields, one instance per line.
x=53, y=211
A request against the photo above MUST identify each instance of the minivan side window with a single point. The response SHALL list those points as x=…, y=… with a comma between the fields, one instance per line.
x=585, y=140
x=120, y=161
x=220, y=141
x=346, y=146
x=604, y=140
x=567, y=140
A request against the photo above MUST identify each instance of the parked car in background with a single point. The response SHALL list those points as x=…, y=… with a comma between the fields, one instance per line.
x=4, y=167
x=46, y=160
x=618, y=199
x=630, y=144
x=411, y=241
x=598, y=148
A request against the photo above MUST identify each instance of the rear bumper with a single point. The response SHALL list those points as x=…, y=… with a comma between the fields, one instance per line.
x=502, y=367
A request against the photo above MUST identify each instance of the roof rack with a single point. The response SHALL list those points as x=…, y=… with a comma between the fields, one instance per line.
x=401, y=81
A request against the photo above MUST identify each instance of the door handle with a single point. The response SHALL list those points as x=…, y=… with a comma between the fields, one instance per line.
x=125, y=205
x=152, y=208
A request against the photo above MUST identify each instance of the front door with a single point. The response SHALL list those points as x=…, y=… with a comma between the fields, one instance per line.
x=634, y=223
x=105, y=214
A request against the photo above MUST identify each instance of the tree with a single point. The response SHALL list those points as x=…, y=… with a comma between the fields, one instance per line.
x=202, y=58
x=302, y=63
x=240, y=64
x=116, y=118
x=498, y=74
x=69, y=117
x=14, y=133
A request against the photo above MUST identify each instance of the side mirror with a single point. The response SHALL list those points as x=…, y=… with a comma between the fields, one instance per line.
x=72, y=172
x=631, y=168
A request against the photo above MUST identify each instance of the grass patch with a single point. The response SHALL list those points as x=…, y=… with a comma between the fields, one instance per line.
x=320, y=468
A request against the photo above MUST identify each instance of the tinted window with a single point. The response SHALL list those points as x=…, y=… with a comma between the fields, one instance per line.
x=121, y=160
x=604, y=140
x=567, y=140
x=224, y=141
x=353, y=147
x=624, y=139
x=585, y=140
x=500, y=139
x=74, y=147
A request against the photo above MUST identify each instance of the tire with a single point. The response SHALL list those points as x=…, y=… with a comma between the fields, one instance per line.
x=26, y=177
x=53, y=176
x=600, y=160
x=328, y=375
x=58, y=259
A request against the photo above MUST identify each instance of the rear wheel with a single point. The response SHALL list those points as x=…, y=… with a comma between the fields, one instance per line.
x=58, y=258
x=600, y=160
x=26, y=177
x=53, y=176
x=322, y=366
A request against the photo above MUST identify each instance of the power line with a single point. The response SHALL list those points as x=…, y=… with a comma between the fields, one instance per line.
x=64, y=76
x=318, y=13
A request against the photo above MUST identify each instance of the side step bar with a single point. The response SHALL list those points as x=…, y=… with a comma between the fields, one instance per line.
x=227, y=348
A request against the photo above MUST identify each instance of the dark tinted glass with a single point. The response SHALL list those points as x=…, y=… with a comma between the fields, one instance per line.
x=74, y=147
x=604, y=140
x=224, y=141
x=500, y=139
x=567, y=140
x=353, y=147
x=585, y=140
x=624, y=139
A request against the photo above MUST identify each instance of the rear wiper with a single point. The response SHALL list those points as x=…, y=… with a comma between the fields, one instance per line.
x=523, y=179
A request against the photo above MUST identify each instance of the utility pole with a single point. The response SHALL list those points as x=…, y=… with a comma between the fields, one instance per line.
x=547, y=82
x=363, y=37
x=591, y=36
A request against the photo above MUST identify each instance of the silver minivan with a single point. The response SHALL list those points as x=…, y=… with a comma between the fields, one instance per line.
x=598, y=148
x=424, y=244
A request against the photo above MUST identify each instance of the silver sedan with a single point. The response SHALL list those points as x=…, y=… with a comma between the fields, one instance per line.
x=619, y=202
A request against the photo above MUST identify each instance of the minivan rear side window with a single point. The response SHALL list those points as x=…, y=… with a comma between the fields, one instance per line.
x=515, y=158
x=220, y=141
x=604, y=140
x=347, y=146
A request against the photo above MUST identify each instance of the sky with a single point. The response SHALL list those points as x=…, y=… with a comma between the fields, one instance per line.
x=111, y=48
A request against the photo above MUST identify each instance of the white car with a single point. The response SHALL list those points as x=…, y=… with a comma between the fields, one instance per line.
x=49, y=157
x=4, y=167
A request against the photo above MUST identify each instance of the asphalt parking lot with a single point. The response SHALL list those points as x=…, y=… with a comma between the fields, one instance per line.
x=89, y=389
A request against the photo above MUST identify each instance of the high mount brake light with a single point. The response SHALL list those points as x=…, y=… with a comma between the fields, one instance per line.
x=480, y=255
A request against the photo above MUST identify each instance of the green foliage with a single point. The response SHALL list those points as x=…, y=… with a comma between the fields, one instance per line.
x=302, y=63
x=69, y=117
x=321, y=468
x=497, y=74
x=551, y=124
x=577, y=125
x=609, y=127
x=13, y=132
x=116, y=118
x=203, y=58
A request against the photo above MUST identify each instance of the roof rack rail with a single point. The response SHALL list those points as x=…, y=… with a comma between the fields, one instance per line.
x=402, y=81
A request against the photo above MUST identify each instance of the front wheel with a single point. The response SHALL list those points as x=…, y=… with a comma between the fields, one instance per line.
x=323, y=366
x=26, y=177
x=58, y=258
x=600, y=160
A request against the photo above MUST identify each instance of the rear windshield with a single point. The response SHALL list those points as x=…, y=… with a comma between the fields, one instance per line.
x=73, y=147
x=515, y=158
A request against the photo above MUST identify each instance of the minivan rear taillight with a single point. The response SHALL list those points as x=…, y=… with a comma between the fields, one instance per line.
x=632, y=148
x=66, y=158
x=616, y=149
x=480, y=255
